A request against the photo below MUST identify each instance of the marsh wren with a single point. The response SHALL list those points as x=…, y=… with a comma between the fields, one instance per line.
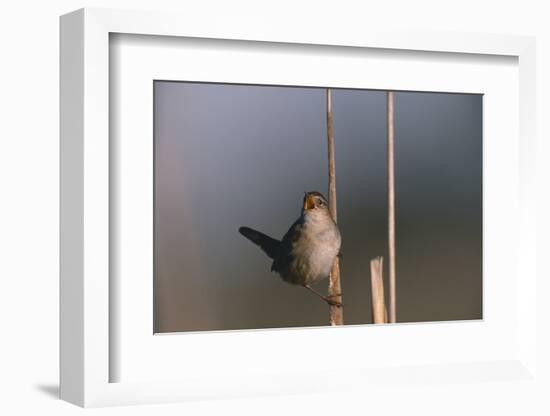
x=308, y=250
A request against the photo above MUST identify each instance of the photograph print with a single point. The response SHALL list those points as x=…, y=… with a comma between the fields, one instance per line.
x=289, y=206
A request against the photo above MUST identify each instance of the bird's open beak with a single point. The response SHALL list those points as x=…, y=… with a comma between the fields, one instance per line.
x=309, y=202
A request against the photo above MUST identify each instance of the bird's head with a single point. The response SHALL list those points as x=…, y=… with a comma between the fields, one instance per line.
x=314, y=201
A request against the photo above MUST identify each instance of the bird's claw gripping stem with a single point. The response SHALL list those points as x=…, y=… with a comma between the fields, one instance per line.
x=332, y=300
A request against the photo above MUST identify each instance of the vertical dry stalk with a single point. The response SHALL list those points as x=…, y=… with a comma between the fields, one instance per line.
x=391, y=209
x=334, y=287
x=379, y=314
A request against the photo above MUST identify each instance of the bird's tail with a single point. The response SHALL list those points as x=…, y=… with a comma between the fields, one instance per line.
x=269, y=245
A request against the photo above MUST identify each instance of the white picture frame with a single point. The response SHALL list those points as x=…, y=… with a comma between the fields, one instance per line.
x=87, y=356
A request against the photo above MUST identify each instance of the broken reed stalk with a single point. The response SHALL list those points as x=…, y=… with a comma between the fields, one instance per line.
x=391, y=208
x=334, y=287
x=379, y=314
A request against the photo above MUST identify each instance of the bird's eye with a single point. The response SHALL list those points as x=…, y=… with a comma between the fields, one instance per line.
x=320, y=202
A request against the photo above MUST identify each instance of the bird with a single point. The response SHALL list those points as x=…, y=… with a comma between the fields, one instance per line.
x=308, y=250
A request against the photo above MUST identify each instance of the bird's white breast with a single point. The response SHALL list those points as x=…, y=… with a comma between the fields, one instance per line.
x=316, y=249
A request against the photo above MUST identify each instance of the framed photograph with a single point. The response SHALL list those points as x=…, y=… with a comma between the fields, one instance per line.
x=268, y=212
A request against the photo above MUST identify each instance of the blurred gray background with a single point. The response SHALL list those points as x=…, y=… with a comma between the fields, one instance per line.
x=232, y=155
